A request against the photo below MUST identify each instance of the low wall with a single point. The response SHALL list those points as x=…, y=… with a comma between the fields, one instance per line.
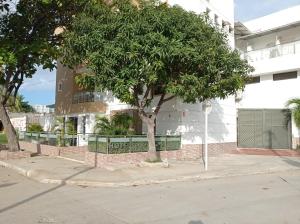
x=101, y=160
x=6, y=155
x=80, y=150
x=186, y=153
x=49, y=150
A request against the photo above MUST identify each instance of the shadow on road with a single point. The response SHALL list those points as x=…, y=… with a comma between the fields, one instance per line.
x=196, y=222
x=44, y=192
x=287, y=160
x=7, y=185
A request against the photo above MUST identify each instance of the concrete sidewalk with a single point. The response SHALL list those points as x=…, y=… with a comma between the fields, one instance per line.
x=61, y=171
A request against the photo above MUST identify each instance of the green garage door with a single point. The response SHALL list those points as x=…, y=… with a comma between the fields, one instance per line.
x=268, y=128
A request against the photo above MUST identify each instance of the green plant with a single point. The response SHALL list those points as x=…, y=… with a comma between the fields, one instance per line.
x=3, y=138
x=295, y=107
x=18, y=105
x=35, y=128
x=120, y=124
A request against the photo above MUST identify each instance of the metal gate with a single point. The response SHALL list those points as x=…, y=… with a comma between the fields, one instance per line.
x=264, y=128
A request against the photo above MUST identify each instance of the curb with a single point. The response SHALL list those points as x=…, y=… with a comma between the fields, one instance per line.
x=33, y=174
x=70, y=159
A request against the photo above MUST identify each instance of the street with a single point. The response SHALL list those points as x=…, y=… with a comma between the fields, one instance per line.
x=249, y=199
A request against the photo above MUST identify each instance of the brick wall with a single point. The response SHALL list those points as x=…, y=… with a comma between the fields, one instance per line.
x=49, y=150
x=6, y=155
x=81, y=150
x=187, y=152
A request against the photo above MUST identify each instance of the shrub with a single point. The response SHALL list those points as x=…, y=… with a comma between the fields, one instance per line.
x=35, y=128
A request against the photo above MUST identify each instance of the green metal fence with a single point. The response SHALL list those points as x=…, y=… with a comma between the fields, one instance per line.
x=105, y=144
x=49, y=138
x=130, y=144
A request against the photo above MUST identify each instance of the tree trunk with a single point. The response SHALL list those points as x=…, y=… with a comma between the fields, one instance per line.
x=151, y=140
x=13, y=143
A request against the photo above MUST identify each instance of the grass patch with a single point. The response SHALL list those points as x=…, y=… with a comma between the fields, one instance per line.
x=3, y=139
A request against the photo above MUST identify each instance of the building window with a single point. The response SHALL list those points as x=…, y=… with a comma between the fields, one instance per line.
x=285, y=75
x=253, y=80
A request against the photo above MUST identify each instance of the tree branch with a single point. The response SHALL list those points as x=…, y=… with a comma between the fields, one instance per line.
x=168, y=99
x=160, y=102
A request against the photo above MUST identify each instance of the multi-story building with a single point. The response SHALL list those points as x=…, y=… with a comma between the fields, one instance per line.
x=44, y=109
x=272, y=46
x=175, y=116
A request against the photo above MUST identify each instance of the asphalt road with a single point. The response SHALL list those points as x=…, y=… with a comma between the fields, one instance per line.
x=268, y=199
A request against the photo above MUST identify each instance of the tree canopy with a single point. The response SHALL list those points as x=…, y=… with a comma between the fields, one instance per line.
x=147, y=49
x=28, y=40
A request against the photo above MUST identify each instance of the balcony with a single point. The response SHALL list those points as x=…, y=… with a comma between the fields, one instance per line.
x=86, y=97
x=291, y=48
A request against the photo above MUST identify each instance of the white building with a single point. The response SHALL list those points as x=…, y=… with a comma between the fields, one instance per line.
x=272, y=46
x=44, y=109
x=175, y=117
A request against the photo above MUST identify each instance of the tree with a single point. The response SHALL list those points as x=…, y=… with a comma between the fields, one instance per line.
x=120, y=124
x=134, y=49
x=28, y=40
x=18, y=105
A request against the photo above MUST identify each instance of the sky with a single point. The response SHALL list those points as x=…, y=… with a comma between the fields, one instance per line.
x=41, y=88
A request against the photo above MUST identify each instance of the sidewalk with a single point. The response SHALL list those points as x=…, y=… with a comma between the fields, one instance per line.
x=61, y=171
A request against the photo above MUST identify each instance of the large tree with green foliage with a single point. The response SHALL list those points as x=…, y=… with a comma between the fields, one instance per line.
x=28, y=40
x=133, y=49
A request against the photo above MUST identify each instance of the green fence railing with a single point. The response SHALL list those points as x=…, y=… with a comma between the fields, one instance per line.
x=49, y=138
x=105, y=144
x=131, y=144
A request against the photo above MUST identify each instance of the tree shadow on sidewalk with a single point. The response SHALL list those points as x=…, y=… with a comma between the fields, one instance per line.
x=287, y=160
x=44, y=192
x=196, y=222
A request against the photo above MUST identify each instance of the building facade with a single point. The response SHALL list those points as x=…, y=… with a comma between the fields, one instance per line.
x=271, y=44
x=175, y=116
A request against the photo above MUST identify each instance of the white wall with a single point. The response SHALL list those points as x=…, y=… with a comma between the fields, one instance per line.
x=269, y=94
x=277, y=19
x=187, y=120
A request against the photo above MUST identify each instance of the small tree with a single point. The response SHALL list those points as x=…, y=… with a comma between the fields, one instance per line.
x=295, y=104
x=134, y=49
x=120, y=124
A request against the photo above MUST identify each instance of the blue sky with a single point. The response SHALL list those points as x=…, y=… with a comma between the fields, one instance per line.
x=41, y=88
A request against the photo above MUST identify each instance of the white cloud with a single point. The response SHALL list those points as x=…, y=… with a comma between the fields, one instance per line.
x=42, y=80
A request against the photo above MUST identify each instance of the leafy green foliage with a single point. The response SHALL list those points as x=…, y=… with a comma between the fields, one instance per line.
x=3, y=138
x=295, y=104
x=120, y=124
x=28, y=39
x=37, y=128
x=18, y=105
x=135, y=47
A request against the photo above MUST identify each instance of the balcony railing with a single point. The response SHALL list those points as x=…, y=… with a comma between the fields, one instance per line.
x=273, y=52
x=85, y=97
